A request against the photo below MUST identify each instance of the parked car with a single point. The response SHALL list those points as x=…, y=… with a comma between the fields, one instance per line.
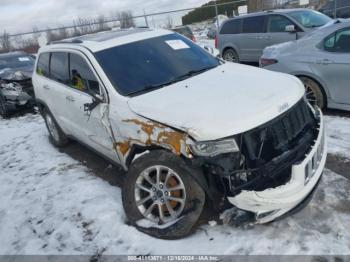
x=342, y=9
x=187, y=127
x=16, y=90
x=321, y=60
x=185, y=31
x=242, y=39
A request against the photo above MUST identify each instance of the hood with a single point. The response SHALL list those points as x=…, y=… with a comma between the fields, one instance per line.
x=16, y=73
x=227, y=100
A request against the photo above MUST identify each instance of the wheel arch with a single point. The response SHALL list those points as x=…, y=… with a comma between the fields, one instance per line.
x=227, y=47
x=324, y=91
x=197, y=173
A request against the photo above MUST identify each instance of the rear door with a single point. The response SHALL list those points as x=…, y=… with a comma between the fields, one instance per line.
x=276, y=29
x=333, y=65
x=253, y=39
x=57, y=87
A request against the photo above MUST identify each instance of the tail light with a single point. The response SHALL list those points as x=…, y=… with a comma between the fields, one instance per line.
x=216, y=42
x=193, y=38
x=266, y=62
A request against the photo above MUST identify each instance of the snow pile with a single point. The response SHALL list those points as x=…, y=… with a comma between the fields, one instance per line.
x=52, y=204
x=338, y=133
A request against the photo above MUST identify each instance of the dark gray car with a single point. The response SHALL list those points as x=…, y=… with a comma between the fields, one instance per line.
x=321, y=60
x=243, y=38
x=16, y=90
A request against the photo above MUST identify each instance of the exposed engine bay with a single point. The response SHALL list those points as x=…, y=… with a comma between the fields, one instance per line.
x=16, y=91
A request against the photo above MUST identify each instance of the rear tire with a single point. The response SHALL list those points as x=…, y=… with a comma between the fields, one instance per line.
x=57, y=137
x=230, y=55
x=149, y=180
x=314, y=93
x=3, y=110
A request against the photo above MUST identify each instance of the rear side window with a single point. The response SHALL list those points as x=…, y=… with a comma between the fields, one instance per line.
x=277, y=23
x=338, y=42
x=253, y=24
x=43, y=67
x=59, y=67
x=232, y=27
x=81, y=75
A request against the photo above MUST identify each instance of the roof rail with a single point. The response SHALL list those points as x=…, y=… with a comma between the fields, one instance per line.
x=74, y=41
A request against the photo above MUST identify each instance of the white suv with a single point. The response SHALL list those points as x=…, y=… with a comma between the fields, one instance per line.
x=187, y=127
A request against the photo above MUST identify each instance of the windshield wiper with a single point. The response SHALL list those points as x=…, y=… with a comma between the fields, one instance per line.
x=149, y=88
x=195, y=72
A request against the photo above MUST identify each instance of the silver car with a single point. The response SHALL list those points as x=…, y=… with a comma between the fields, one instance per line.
x=321, y=60
x=243, y=38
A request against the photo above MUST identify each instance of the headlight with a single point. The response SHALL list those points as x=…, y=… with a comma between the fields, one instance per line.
x=214, y=148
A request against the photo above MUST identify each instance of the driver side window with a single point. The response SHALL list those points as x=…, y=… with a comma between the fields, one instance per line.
x=81, y=76
x=338, y=42
x=278, y=23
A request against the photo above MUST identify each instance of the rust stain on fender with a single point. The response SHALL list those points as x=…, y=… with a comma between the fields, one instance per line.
x=123, y=147
x=156, y=134
x=173, y=139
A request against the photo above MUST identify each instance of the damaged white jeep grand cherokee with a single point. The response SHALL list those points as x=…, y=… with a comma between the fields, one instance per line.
x=187, y=127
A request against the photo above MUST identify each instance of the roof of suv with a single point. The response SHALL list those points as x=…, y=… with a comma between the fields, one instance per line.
x=276, y=11
x=104, y=40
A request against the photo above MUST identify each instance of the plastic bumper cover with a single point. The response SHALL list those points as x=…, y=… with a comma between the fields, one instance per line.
x=274, y=202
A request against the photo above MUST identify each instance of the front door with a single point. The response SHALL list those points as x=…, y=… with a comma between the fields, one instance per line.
x=84, y=120
x=276, y=30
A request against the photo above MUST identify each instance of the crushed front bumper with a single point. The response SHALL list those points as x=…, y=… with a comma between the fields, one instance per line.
x=274, y=202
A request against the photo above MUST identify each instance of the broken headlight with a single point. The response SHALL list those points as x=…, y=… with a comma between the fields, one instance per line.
x=214, y=148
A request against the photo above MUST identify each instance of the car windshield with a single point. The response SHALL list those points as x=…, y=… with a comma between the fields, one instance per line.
x=142, y=66
x=17, y=61
x=310, y=18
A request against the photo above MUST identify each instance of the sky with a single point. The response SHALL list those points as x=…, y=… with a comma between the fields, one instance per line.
x=22, y=15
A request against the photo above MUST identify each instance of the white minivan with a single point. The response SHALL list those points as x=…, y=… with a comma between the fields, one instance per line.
x=188, y=128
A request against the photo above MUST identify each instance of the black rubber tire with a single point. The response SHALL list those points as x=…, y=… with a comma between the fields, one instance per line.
x=61, y=140
x=195, y=196
x=3, y=110
x=232, y=53
x=317, y=93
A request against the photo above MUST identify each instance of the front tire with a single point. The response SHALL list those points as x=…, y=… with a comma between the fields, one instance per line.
x=230, y=55
x=159, y=189
x=314, y=92
x=57, y=137
x=3, y=110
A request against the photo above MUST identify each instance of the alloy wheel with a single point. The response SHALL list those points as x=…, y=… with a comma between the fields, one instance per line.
x=160, y=194
x=230, y=56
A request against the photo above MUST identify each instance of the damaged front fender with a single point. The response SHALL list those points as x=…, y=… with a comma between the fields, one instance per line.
x=147, y=134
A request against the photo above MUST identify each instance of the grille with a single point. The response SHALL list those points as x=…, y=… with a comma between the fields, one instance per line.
x=280, y=135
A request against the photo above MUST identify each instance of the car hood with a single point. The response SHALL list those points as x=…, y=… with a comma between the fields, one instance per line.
x=16, y=73
x=227, y=100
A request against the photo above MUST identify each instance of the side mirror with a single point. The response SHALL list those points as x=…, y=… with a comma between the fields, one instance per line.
x=96, y=100
x=290, y=29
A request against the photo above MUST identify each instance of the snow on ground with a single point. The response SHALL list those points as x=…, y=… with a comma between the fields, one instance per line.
x=52, y=204
x=338, y=131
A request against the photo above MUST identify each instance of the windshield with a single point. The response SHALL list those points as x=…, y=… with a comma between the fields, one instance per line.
x=153, y=63
x=14, y=62
x=310, y=18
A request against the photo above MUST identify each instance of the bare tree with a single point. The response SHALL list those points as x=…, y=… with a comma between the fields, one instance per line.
x=169, y=22
x=101, y=22
x=62, y=34
x=126, y=19
x=5, y=42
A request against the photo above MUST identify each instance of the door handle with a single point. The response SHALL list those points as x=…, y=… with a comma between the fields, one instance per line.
x=46, y=87
x=324, y=62
x=70, y=98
